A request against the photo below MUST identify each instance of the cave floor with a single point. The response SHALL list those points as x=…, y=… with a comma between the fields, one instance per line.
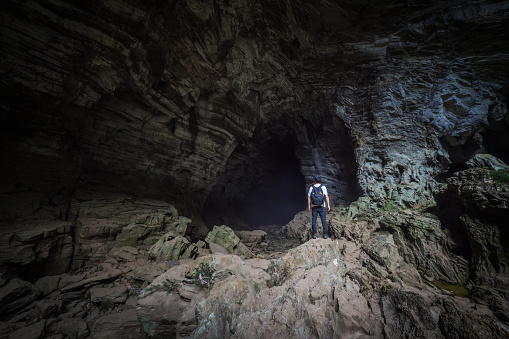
x=276, y=243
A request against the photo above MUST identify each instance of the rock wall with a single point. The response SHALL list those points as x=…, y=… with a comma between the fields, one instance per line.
x=163, y=99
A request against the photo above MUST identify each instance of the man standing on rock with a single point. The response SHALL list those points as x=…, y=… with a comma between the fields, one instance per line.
x=317, y=196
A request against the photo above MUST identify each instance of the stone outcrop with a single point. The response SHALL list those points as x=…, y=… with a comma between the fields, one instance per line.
x=97, y=224
x=226, y=238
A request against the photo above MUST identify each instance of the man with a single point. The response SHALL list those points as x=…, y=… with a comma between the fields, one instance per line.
x=317, y=196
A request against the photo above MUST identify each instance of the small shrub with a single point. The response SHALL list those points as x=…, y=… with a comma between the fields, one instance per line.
x=388, y=205
x=203, y=275
x=500, y=176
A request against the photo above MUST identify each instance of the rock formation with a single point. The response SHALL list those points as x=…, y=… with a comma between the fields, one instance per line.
x=145, y=144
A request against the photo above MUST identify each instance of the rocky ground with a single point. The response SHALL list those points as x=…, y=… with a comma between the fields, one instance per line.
x=386, y=273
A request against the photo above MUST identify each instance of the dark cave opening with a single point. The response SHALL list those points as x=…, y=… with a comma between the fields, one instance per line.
x=496, y=139
x=265, y=188
x=449, y=210
x=280, y=190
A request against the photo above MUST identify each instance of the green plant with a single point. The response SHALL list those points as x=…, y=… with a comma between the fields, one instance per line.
x=388, y=205
x=203, y=275
x=500, y=176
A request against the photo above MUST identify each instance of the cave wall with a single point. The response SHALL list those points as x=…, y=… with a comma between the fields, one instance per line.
x=163, y=99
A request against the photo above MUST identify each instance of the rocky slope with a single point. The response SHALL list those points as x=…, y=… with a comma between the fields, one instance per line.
x=386, y=273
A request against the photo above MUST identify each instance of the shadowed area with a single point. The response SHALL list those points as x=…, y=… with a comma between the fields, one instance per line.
x=280, y=193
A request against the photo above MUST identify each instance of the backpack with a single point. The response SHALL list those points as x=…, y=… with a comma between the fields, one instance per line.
x=317, y=196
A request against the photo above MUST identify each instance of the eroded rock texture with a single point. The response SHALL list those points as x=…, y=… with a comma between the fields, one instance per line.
x=179, y=99
x=116, y=114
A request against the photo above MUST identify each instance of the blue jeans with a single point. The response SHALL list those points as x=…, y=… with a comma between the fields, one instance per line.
x=314, y=212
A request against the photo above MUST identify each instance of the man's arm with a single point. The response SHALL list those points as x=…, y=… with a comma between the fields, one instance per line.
x=328, y=202
x=309, y=203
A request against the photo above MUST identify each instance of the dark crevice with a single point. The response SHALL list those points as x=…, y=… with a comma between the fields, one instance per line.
x=449, y=210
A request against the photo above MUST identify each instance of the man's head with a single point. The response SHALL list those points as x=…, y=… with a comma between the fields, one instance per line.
x=316, y=178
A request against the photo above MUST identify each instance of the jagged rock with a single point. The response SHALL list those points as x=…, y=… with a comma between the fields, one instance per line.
x=117, y=325
x=149, y=231
x=487, y=161
x=46, y=245
x=172, y=246
x=47, y=308
x=161, y=313
x=461, y=322
x=226, y=238
x=422, y=243
x=34, y=331
x=48, y=284
x=76, y=327
x=91, y=280
x=15, y=295
x=116, y=294
x=383, y=250
x=300, y=226
x=408, y=316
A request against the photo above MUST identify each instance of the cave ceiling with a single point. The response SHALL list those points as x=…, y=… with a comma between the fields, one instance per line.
x=183, y=100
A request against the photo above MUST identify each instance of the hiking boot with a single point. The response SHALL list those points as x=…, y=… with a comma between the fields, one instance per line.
x=326, y=236
x=314, y=236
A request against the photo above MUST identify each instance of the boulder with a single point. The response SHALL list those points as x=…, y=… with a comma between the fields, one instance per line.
x=48, y=284
x=116, y=294
x=251, y=237
x=15, y=295
x=225, y=237
x=173, y=246
x=147, y=273
x=47, y=308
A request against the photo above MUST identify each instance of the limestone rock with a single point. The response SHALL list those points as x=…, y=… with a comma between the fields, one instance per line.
x=172, y=246
x=69, y=327
x=147, y=273
x=48, y=284
x=215, y=248
x=408, y=316
x=15, y=295
x=48, y=308
x=35, y=331
x=92, y=280
x=226, y=238
x=117, y=325
x=116, y=294
x=487, y=161
x=47, y=246
x=256, y=236
x=422, y=243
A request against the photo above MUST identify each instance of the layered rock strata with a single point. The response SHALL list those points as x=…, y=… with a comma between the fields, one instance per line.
x=168, y=100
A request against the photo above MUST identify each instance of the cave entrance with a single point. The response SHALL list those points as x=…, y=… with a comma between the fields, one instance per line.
x=280, y=189
x=260, y=186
